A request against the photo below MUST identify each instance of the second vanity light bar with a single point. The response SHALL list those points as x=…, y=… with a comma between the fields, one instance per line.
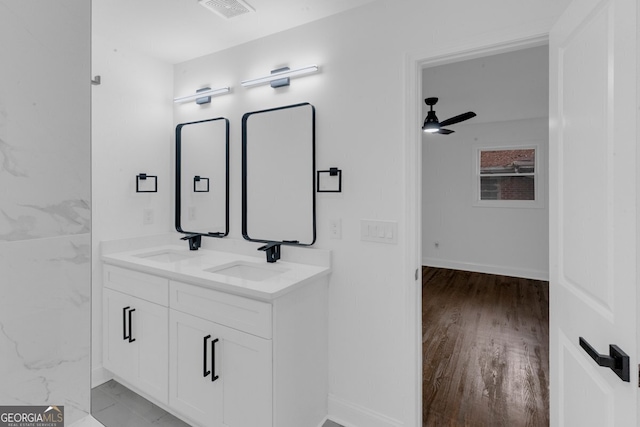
x=278, y=75
x=204, y=93
x=277, y=78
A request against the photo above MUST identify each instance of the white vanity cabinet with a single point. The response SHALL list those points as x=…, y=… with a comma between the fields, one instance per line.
x=230, y=352
x=135, y=330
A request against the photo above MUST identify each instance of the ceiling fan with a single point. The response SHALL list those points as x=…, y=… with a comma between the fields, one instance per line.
x=432, y=125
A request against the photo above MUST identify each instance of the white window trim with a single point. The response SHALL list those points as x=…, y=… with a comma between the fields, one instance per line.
x=539, y=175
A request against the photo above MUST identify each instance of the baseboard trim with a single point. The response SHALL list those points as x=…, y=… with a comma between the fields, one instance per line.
x=350, y=414
x=325, y=419
x=489, y=269
x=99, y=376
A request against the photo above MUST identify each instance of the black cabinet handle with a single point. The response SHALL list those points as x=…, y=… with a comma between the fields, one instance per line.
x=213, y=360
x=131, y=338
x=124, y=323
x=205, y=373
x=617, y=361
x=126, y=329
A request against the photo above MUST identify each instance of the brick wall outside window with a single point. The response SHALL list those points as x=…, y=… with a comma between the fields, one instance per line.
x=517, y=164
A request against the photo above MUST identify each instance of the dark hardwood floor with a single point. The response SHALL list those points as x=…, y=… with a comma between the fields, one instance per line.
x=485, y=350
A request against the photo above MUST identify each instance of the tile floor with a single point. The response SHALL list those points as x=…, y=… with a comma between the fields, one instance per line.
x=87, y=421
x=116, y=406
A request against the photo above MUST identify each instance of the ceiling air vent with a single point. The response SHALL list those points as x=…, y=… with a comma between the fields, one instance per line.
x=227, y=8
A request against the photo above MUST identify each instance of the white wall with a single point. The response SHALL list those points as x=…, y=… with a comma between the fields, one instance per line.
x=131, y=134
x=509, y=92
x=506, y=240
x=44, y=204
x=359, y=100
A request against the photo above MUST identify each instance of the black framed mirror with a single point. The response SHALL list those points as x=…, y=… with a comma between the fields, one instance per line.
x=278, y=175
x=202, y=177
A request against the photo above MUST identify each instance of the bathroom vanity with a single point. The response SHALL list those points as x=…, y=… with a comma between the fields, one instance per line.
x=217, y=336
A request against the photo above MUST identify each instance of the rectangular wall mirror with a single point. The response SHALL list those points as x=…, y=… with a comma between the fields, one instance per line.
x=278, y=175
x=202, y=177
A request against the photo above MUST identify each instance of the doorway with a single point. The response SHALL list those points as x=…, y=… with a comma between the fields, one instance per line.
x=494, y=236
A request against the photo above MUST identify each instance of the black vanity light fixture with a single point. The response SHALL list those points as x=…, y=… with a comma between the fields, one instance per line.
x=280, y=77
x=202, y=96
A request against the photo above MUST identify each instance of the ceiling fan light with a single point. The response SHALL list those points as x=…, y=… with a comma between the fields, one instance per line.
x=431, y=123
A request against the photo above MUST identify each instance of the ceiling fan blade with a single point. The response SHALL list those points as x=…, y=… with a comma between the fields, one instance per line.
x=458, y=119
x=445, y=131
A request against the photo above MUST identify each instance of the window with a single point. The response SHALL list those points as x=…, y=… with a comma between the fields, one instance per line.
x=507, y=177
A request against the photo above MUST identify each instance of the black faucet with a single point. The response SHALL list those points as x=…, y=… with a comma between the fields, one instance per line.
x=272, y=250
x=195, y=240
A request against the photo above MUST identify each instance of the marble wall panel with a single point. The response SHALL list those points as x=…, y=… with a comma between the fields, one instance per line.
x=44, y=119
x=45, y=209
x=45, y=305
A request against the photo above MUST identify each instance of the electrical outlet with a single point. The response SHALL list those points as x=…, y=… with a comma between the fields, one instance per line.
x=147, y=216
x=335, y=229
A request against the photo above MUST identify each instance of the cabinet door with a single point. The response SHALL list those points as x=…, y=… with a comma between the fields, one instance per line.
x=248, y=371
x=137, y=342
x=150, y=328
x=119, y=354
x=192, y=389
x=240, y=396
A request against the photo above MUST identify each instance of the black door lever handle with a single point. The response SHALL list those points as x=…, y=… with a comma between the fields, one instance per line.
x=617, y=361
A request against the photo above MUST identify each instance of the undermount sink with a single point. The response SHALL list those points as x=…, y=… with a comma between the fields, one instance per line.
x=166, y=256
x=247, y=271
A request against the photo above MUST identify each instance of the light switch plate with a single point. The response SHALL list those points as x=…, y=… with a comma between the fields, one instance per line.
x=379, y=231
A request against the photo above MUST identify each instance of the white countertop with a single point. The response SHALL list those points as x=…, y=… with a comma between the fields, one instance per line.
x=230, y=272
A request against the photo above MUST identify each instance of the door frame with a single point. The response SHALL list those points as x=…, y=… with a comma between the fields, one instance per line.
x=412, y=110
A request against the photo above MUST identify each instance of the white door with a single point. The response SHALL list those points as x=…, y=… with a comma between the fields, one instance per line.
x=593, y=213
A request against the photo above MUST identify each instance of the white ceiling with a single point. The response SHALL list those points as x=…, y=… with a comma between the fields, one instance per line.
x=179, y=30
